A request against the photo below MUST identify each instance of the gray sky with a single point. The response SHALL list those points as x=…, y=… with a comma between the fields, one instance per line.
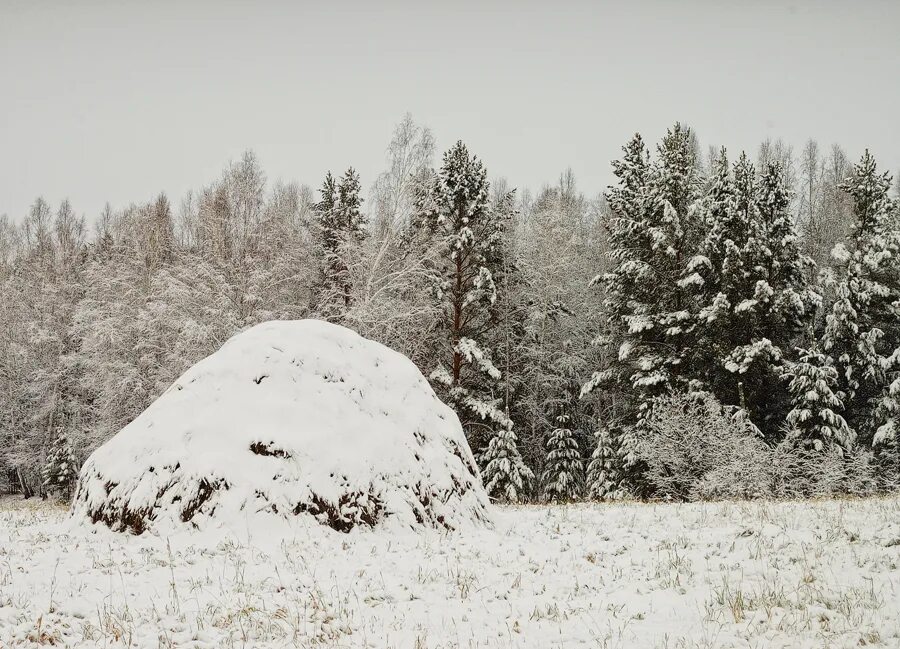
x=119, y=100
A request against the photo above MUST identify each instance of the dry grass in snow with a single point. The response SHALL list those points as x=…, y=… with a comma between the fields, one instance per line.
x=758, y=574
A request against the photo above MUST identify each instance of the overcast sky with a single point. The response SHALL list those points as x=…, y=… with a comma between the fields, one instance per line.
x=116, y=101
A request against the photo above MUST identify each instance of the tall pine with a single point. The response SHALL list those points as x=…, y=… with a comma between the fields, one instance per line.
x=467, y=231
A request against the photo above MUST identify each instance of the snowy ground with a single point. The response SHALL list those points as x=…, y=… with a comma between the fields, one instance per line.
x=822, y=574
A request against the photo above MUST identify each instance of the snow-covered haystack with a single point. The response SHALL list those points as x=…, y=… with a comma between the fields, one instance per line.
x=289, y=418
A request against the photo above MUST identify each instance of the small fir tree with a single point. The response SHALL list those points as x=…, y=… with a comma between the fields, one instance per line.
x=604, y=472
x=815, y=419
x=506, y=477
x=564, y=471
x=60, y=471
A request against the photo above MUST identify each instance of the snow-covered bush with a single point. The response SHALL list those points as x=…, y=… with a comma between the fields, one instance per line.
x=289, y=418
x=800, y=470
x=694, y=449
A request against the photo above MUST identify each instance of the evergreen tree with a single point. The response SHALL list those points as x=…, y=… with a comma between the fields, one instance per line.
x=629, y=289
x=506, y=477
x=349, y=205
x=754, y=295
x=815, y=420
x=861, y=332
x=604, y=472
x=718, y=250
x=341, y=227
x=650, y=295
x=886, y=419
x=663, y=325
x=331, y=237
x=457, y=218
x=785, y=266
x=628, y=286
x=564, y=472
x=60, y=470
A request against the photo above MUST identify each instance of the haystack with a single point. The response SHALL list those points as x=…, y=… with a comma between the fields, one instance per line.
x=299, y=418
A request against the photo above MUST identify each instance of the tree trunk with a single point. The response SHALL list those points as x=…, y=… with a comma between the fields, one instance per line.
x=26, y=490
x=457, y=321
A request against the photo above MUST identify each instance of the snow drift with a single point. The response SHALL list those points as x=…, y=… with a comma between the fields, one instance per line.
x=289, y=418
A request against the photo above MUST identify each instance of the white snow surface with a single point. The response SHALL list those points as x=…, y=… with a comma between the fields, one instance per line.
x=798, y=575
x=289, y=417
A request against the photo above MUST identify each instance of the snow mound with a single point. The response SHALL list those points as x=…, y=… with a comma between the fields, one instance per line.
x=289, y=418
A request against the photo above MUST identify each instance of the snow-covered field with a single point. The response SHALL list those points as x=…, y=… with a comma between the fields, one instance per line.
x=820, y=574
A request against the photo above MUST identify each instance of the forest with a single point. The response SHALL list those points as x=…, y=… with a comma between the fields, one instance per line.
x=712, y=326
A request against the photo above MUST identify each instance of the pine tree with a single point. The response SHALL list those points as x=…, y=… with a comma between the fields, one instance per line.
x=456, y=216
x=506, y=477
x=60, y=470
x=843, y=340
x=784, y=304
x=341, y=227
x=659, y=324
x=861, y=332
x=815, y=419
x=564, y=472
x=604, y=472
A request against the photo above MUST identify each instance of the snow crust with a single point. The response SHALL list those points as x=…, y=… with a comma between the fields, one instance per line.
x=289, y=417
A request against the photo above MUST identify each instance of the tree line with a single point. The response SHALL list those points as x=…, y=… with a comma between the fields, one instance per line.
x=760, y=297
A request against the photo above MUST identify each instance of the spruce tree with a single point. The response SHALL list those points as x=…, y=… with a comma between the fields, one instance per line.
x=718, y=250
x=564, y=471
x=785, y=266
x=754, y=298
x=349, y=205
x=627, y=286
x=604, y=472
x=815, y=420
x=861, y=332
x=341, y=226
x=331, y=237
x=659, y=325
x=506, y=477
x=650, y=297
x=886, y=415
x=60, y=470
